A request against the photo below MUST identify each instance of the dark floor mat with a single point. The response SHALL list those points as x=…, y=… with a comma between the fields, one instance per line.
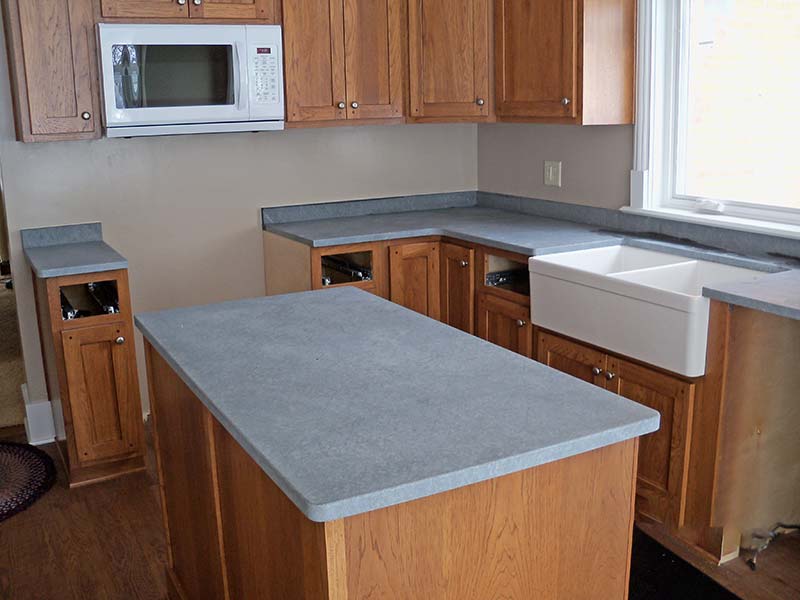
x=26, y=473
x=658, y=573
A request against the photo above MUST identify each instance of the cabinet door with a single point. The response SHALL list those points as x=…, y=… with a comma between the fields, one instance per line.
x=449, y=58
x=313, y=39
x=571, y=358
x=167, y=9
x=373, y=45
x=53, y=69
x=536, y=58
x=102, y=391
x=414, y=277
x=458, y=287
x=262, y=10
x=505, y=323
x=664, y=454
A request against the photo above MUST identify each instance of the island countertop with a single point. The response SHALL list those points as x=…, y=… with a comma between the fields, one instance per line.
x=350, y=403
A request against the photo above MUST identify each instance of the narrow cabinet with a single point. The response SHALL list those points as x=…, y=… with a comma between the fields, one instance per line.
x=54, y=84
x=505, y=323
x=414, y=277
x=448, y=52
x=344, y=59
x=145, y=9
x=267, y=11
x=457, y=265
x=565, y=61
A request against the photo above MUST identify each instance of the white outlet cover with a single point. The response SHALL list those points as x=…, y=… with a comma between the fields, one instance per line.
x=552, y=173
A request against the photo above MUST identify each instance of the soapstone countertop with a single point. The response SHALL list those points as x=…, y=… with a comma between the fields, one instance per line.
x=777, y=293
x=351, y=403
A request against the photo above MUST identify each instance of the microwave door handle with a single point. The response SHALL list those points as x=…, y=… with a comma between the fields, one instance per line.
x=238, y=74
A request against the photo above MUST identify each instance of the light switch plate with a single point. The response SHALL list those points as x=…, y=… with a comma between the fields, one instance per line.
x=552, y=173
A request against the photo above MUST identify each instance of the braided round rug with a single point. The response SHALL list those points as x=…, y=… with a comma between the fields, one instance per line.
x=26, y=473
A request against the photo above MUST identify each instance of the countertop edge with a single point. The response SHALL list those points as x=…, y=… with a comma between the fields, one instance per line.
x=751, y=303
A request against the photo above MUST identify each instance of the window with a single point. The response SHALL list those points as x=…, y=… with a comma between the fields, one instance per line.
x=718, y=122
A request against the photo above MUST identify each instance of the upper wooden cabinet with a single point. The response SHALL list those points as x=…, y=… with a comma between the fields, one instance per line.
x=344, y=59
x=268, y=11
x=414, y=279
x=565, y=61
x=448, y=52
x=54, y=84
x=457, y=265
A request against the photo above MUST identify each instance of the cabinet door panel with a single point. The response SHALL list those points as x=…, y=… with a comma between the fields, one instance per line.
x=570, y=357
x=374, y=58
x=505, y=323
x=263, y=10
x=458, y=287
x=54, y=82
x=102, y=391
x=449, y=58
x=664, y=454
x=536, y=57
x=414, y=277
x=314, y=57
x=167, y=9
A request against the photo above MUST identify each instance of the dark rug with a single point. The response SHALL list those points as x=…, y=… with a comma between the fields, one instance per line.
x=658, y=573
x=26, y=473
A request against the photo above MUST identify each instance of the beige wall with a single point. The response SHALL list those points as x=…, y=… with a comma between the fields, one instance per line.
x=595, y=170
x=185, y=210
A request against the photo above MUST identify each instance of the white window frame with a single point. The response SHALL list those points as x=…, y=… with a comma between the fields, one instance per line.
x=660, y=57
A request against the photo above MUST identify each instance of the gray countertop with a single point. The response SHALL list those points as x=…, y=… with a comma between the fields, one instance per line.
x=351, y=403
x=75, y=258
x=778, y=293
x=515, y=232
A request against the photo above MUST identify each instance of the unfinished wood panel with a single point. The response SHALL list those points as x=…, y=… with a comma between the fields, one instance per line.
x=609, y=62
x=103, y=396
x=271, y=549
x=571, y=358
x=664, y=454
x=167, y=9
x=449, y=58
x=414, y=277
x=458, y=286
x=536, y=58
x=313, y=37
x=287, y=265
x=54, y=84
x=522, y=536
x=758, y=481
x=374, y=58
x=266, y=11
x=505, y=323
x=187, y=484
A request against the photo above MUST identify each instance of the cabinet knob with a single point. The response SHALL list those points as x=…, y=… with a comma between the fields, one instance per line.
x=354, y=104
x=610, y=375
x=597, y=371
x=521, y=322
x=565, y=101
x=181, y=2
x=480, y=101
x=86, y=115
x=119, y=341
x=464, y=263
x=341, y=105
x=197, y=2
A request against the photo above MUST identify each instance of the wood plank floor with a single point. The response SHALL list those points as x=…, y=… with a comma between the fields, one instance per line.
x=105, y=542
x=99, y=542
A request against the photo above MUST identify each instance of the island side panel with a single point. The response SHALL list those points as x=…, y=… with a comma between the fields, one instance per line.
x=558, y=531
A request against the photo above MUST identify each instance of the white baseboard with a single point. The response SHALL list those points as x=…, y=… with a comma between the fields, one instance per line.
x=39, y=425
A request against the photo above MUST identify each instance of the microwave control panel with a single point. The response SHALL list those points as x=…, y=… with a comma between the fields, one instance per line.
x=266, y=80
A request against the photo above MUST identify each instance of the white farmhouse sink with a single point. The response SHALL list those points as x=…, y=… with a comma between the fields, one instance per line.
x=642, y=304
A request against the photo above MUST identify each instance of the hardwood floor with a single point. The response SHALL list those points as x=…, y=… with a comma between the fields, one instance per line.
x=103, y=542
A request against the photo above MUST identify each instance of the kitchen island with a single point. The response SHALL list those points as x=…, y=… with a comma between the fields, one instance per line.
x=333, y=445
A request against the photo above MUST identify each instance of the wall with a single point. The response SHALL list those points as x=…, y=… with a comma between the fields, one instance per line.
x=185, y=210
x=595, y=170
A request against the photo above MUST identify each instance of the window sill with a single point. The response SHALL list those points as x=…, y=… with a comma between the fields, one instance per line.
x=722, y=221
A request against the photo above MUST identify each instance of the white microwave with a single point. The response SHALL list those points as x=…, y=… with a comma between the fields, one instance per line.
x=174, y=79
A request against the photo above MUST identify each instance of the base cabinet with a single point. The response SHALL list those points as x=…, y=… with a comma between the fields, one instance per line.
x=414, y=277
x=664, y=454
x=458, y=286
x=505, y=323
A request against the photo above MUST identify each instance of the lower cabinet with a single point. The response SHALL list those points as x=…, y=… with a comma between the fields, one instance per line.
x=458, y=286
x=664, y=454
x=505, y=323
x=414, y=277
